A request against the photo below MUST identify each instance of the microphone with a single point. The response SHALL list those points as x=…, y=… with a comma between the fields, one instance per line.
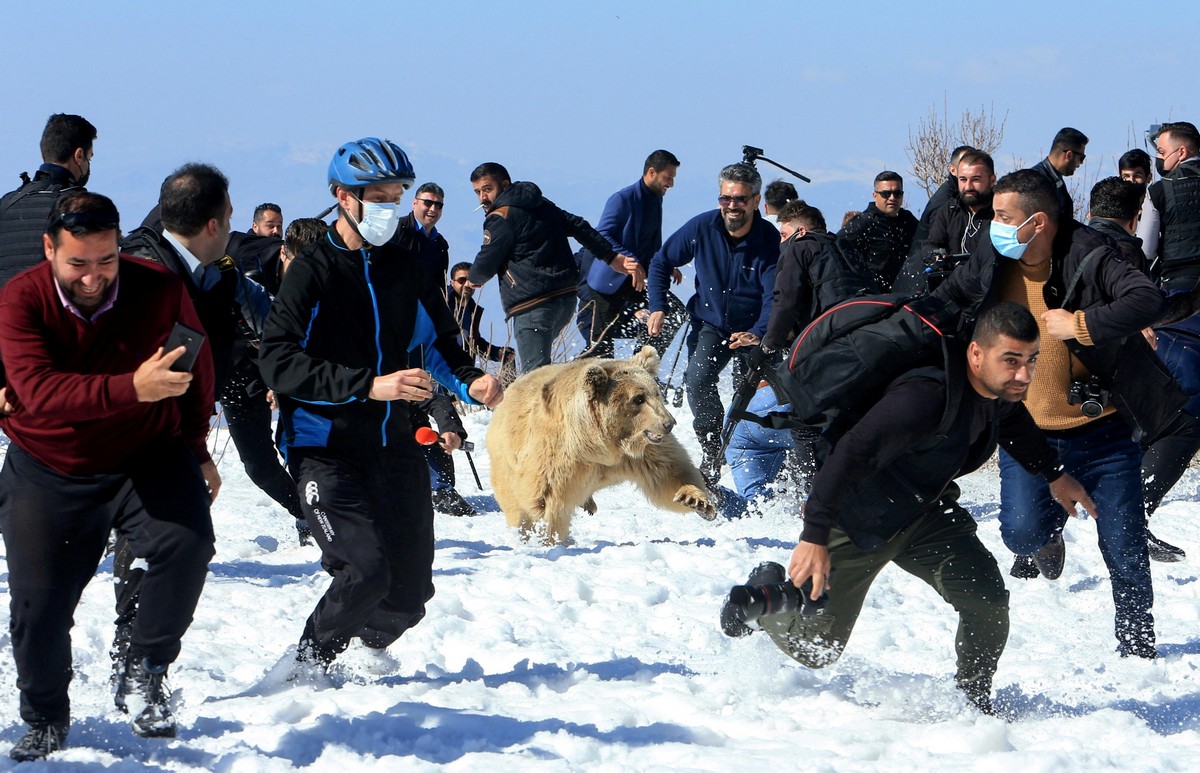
x=426, y=436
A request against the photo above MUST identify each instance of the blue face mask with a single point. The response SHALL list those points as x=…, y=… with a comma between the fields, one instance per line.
x=1004, y=239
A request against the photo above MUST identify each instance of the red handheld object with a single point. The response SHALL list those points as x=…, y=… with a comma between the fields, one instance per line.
x=427, y=437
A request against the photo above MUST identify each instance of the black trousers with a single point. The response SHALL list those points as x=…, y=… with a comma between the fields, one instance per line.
x=55, y=530
x=942, y=549
x=249, y=420
x=373, y=518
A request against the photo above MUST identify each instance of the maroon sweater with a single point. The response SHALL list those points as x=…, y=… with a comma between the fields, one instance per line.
x=71, y=382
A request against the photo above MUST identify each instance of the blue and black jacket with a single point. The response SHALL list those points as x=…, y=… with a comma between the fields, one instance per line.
x=341, y=318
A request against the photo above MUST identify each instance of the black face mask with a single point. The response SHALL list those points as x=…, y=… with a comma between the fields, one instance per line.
x=1158, y=166
x=82, y=179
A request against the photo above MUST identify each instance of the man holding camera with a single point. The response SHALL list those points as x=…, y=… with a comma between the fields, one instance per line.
x=1095, y=363
x=957, y=228
x=885, y=496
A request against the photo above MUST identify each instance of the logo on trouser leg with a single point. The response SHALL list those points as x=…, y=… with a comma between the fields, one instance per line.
x=311, y=496
x=323, y=522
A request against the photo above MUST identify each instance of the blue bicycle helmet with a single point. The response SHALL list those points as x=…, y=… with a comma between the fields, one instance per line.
x=370, y=161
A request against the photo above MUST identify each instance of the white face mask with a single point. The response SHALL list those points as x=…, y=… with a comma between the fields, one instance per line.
x=379, y=222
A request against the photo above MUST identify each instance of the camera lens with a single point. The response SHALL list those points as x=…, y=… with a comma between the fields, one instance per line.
x=1091, y=408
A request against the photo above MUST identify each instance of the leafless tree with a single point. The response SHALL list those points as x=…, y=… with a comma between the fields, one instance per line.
x=929, y=147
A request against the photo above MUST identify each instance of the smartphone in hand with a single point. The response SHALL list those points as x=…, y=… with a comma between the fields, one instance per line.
x=192, y=340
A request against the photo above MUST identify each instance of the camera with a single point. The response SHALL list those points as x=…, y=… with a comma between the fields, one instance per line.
x=750, y=154
x=1091, y=398
x=750, y=602
x=938, y=265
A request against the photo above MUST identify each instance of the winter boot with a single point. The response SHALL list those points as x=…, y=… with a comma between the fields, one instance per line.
x=41, y=739
x=143, y=693
x=450, y=502
x=1050, y=559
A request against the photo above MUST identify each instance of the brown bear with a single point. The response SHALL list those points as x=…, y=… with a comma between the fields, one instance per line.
x=566, y=431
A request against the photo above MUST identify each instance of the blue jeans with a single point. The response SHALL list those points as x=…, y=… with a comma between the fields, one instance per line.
x=1106, y=461
x=536, y=328
x=708, y=354
x=755, y=454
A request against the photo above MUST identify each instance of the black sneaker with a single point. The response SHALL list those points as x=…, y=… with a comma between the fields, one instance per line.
x=1024, y=568
x=450, y=502
x=1050, y=559
x=303, y=532
x=732, y=622
x=1163, y=551
x=40, y=739
x=143, y=693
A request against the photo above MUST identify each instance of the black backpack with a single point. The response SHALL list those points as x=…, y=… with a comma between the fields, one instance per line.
x=840, y=274
x=844, y=360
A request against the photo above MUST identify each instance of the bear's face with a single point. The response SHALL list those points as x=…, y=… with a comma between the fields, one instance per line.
x=643, y=418
x=629, y=408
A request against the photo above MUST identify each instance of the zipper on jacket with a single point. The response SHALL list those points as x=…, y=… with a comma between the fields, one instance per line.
x=387, y=413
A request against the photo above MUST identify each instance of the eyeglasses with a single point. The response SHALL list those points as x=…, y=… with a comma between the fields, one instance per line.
x=888, y=194
x=432, y=203
x=725, y=201
x=83, y=222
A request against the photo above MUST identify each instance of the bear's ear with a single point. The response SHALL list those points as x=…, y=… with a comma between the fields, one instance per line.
x=598, y=382
x=647, y=358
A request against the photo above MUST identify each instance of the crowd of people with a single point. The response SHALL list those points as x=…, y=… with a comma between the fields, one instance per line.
x=362, y=337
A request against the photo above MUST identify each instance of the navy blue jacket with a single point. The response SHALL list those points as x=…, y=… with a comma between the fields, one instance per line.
x=625, y=226
x=733, y=285
x=343, y=317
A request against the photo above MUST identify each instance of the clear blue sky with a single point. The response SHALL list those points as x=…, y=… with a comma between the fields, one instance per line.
x=574, y=95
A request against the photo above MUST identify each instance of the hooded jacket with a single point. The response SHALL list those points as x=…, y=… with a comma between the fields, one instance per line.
x=525, y=243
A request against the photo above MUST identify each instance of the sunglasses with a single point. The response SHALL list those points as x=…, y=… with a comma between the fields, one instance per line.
x=464, y=280
x=432, y=203
x=888, y=194
x=725, y=201
x=75, y=221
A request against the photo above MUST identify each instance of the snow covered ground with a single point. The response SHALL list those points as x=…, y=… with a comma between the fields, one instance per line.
x=607, y=656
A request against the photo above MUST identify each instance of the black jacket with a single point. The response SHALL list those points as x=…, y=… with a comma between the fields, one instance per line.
x=1117, y=300
x=341, y=318
x=912, y=275
x=217, y=308
x=1066, y=205
x=883, y=241
x=525, y=240
x=1129, y=246
x=814, y=273
x=957, y=230
x=256, y=256
x=23, y=215
x=432, y=255
x=469, y=316
x=892, y=467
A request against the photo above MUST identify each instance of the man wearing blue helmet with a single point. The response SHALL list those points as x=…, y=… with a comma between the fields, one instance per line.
x=352, y=339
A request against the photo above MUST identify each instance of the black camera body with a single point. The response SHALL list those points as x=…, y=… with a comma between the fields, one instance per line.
x=1091, y=398
x=750, y=602
x=938, y=265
